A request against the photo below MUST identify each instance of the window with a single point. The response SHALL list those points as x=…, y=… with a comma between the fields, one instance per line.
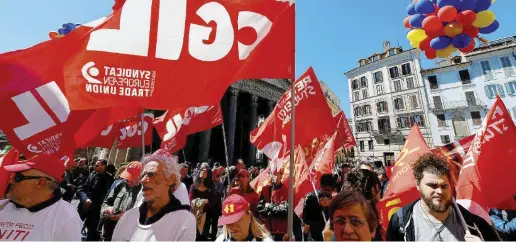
x=464, y=77
x=358, y=111
x=414, y=104
x=384, y=126
x=494, y=89
x=367, y=110
x=510, y=87
x=386, y=142
x=370, y=144
x=486, y=70
x=378, y=77
x=445, y=139
x=475, y=116
x=405, y=69
x=438, y=104
x=363, y=82
x=397, y=85
x=410, y=82
x=393, y=71
x=433, y=82
x=362, y=147
x=403, y=122
x=364, y=127
x=507, y=66
x=399, y=104
x=364, y=93
x=417, y=119
x=376, y=57
x=441, y=120
x=381, y=107
x=356, y=96
x=354, y=84
x=379, y=89
x=392, y=52
x=470, y=98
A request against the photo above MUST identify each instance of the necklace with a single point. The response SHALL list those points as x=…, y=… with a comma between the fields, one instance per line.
x=438, y=230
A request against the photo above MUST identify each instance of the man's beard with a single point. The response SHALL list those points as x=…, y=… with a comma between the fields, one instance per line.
x=438, y=208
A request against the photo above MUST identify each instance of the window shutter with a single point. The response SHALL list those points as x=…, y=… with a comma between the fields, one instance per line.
x=500, y=90
x=514, y=112
x=488, y=93
x=510, y=88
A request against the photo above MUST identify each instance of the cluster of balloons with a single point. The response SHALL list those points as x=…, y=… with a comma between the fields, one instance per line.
x=64, y=30
x=441, y=27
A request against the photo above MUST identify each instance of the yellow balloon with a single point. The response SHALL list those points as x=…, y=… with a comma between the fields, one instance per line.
x=444, y=53
x=416, y=35
x=453, y=29
x=414, y=44
x=484, y=19
x=493, y=1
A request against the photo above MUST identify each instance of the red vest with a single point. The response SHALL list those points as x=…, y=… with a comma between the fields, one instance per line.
x=251, y=197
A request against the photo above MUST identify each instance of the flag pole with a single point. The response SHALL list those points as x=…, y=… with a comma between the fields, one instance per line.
x=461, y=218
x=143, y=134
x=290, y=220
x=226, y=153
x=184, y=155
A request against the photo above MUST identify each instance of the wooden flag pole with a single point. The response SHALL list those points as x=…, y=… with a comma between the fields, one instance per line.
x=227, y=159
x=290, y=220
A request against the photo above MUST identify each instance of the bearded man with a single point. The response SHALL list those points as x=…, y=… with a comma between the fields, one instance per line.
x=434, y=217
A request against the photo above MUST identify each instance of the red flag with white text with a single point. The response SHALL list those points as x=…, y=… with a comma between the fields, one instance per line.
x=8, y=158
x=454, y=154
x=486, y=178
x=313, y=115
x=132, y=130
x=344, y=137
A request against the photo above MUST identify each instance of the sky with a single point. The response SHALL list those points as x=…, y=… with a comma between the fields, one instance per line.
x=331, y=35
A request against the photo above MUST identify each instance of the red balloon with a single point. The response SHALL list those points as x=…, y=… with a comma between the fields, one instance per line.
x=447, y=13
x=467, y=17
x=431, y=54
x=406, y=22
x=470, y=30
x=469, y=48
x=425, y=44
x=432, y=24
x=436, y=33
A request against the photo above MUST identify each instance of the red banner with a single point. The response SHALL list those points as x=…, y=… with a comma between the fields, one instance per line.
x=8, y=158
x=344, y=137
x=130, y=134
x=161, y=54
x=173, y=127
x=402, y=185
x=454, y=153
x=312, y=111
x=486, y=179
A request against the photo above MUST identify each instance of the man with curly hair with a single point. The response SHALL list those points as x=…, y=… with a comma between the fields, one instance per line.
x=433, y=217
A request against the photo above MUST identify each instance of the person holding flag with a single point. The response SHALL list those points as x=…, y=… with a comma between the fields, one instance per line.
x=436, y=216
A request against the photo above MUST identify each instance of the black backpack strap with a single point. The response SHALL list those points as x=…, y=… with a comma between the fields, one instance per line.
x=401, y=223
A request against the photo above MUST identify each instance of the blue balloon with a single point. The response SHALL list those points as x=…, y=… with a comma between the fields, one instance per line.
x=417, y=20
x=491, y=28
x=69, y=26
x=441, y=42
x=425, y=7
x=62, y=31
x=483, y=5
x=411, y=9
x=461, y=41
x=464, y=5
x=444, y=3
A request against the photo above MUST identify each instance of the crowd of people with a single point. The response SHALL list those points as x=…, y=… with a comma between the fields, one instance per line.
x=159, y=199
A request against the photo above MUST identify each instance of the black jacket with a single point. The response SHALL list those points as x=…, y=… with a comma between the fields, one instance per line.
x=477, y=225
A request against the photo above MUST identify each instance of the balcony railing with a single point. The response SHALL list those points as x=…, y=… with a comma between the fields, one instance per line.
x=462, y=104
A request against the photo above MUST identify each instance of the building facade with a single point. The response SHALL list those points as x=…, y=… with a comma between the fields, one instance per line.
x=387, y=96
x=461, y=90
x=331, y=98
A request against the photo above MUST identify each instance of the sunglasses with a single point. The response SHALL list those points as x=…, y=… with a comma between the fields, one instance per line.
x=18, y=177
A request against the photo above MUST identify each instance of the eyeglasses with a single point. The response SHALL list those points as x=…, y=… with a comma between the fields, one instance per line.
x=354, y=221
x=18, y=177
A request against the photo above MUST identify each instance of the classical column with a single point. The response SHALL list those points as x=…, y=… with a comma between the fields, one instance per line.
x=253, y=121
x=204, y=147
x=270, y=107
x=230, y=131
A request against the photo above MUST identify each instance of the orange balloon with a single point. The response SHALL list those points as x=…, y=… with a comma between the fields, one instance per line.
x=453, y=29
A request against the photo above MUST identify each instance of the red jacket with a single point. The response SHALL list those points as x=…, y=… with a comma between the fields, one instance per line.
x=250, y=196
x=276, y=196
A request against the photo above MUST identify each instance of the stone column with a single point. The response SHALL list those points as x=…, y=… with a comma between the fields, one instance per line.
x=270, y=107
x=204, y=147
x=253, y=122
x=230, y=131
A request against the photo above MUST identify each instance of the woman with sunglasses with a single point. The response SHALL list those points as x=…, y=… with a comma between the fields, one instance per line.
x=245, y=190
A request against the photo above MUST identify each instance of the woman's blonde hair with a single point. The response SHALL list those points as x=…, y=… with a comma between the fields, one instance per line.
x=258, y=229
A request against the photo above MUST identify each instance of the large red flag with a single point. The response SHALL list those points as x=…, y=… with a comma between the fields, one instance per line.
x=131, y=131
x=454, y=154
x=402, y=185
x=161, y=54
x=8, y=157
x=486, y=178
x=173, y=127
x=344, y=137
x=312, y=112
